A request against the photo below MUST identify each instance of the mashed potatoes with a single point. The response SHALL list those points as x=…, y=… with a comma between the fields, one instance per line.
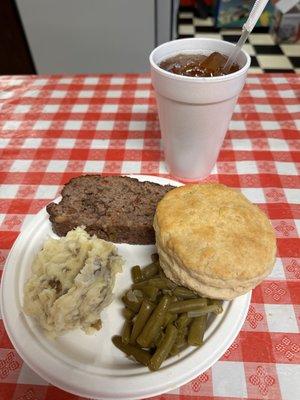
x=72, y=281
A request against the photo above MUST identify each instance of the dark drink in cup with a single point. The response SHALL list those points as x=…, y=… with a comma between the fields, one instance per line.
x=198, y=65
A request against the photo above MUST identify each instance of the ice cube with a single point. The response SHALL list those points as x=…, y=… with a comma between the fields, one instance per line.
x=213, y=63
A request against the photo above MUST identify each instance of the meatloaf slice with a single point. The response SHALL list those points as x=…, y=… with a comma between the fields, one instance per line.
x=114, y=208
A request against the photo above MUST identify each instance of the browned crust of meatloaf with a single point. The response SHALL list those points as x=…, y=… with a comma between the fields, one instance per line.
x=115, y=208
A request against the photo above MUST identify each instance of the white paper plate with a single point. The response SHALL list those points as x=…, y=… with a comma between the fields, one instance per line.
x=90, y=365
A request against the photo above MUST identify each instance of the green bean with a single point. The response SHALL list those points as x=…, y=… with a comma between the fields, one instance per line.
x=185, y=293
x=157, y=341
x=196, y=332
x=214, y=301
x=169, y=318
x=182, y=324
x=150, y=270
x=131, y=296
x=171, y=284
x=132, y=305
x=126, y=331
x=219, y=308
x=154, y=323
x=138, y=293
x=215, y=308
x=164, y=348
x=177, y=348
x=128, y=314
x=150, y=291
x=160, y=283
x=136, y=274
x=141, y=319
x=168, y=292
x=182, y=321
x=187, y=305
x=219, y=303
x=180, y=342
x=141, y=356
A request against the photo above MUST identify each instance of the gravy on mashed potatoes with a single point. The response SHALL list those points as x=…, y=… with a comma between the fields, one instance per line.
x=72, y=281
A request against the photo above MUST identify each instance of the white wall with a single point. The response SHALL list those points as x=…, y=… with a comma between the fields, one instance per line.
x=89, y=36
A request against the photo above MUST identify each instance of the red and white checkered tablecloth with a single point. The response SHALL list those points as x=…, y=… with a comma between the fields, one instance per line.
x=57, y=127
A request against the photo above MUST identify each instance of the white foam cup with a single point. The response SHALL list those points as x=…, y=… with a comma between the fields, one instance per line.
x=194, y=113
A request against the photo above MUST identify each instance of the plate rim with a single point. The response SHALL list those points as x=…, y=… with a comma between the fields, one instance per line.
x=189, y=375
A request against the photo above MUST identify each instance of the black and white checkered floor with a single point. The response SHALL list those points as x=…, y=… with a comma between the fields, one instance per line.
x=265, y=54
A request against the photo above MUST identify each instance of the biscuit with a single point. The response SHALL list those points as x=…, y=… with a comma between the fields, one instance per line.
x=211, y=239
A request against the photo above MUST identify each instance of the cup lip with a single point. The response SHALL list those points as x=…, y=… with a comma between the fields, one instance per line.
x=208, y=79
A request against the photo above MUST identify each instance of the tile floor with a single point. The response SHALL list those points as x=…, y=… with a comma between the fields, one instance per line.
x=266, y=56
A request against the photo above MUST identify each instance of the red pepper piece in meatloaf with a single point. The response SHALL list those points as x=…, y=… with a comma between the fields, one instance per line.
x=114, y=208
